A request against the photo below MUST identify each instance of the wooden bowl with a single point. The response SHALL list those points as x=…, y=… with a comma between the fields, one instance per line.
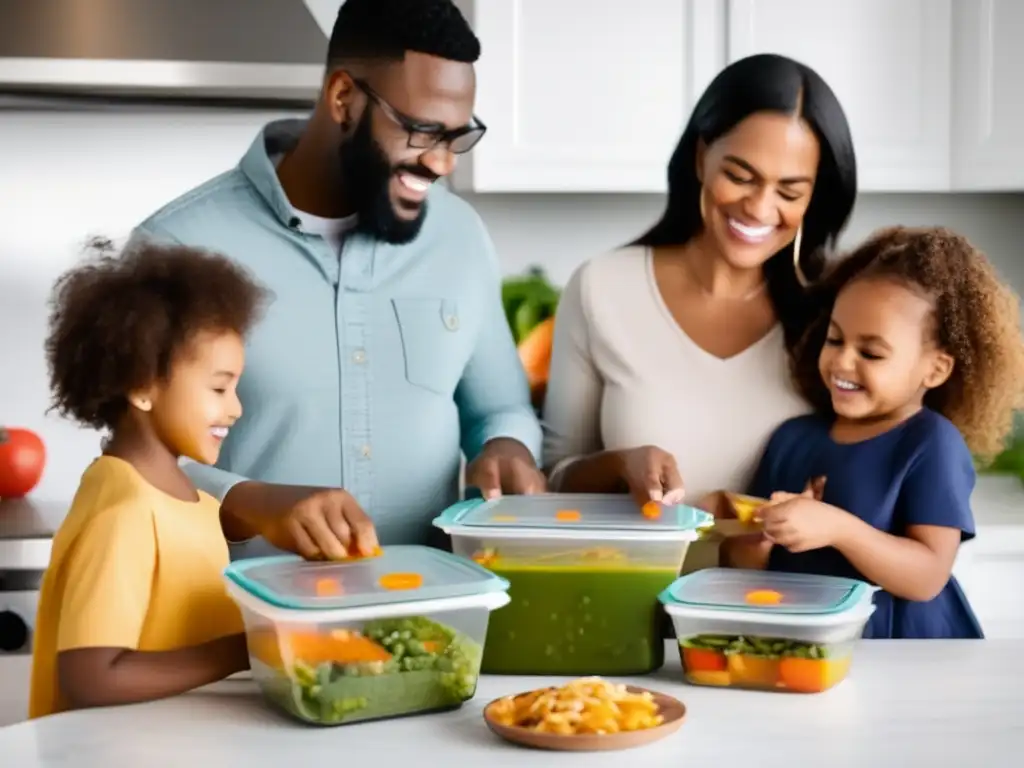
x=669, y=708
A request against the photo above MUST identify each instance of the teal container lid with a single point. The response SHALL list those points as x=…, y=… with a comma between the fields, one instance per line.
x=400, y=574
x=565, y=511
x=727, y=589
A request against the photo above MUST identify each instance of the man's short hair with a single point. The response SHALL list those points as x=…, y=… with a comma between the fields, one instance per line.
x=387, y=29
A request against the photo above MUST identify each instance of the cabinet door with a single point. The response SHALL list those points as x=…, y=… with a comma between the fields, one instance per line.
x=586, y=96
x=888, y=63
x=988, y=86
x=991, y=571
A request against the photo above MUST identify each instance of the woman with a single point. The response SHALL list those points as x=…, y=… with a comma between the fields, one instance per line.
x=669, y=367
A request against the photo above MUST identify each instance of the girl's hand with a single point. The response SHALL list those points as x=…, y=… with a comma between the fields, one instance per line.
x=801, y=523
x=815, y=489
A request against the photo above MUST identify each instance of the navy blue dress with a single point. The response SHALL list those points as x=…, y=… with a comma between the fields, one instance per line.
x=919, y=473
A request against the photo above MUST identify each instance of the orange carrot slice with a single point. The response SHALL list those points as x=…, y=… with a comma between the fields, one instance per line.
x=401, y=581
x=651, y=510
x=355, y=554
x=812, y=675
x=328, y=587
x=703, y=660
x=764, y=597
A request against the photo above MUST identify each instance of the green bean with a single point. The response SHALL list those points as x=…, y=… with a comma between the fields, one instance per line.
x=769, y=647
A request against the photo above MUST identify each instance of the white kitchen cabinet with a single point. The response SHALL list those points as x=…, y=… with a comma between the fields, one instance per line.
x=990, y=568
x=586, y=96
x=590, y=99
x=988, y=91
x=991, y=573
x=888, y=63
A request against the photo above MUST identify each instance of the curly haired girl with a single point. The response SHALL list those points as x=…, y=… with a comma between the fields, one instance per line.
x=146, y=345
x=918, y=362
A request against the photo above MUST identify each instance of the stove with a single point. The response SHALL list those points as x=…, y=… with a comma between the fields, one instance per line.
x=26, y=536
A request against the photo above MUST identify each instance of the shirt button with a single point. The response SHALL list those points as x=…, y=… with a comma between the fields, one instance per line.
x=359, y=356
x=365, y=450
x=451, y=322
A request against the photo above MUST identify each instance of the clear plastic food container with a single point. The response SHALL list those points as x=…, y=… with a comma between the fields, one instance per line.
x=342, y=642
x=584, y=572
x=767, y=630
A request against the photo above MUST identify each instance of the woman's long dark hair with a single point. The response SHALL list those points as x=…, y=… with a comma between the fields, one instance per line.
x=769, y=83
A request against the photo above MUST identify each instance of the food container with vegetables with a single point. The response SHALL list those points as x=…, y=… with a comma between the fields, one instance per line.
x=368, y=638
x=767, y=630
x=584, y=574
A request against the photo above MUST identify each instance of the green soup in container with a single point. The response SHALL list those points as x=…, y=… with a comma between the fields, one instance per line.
x=584, y=574
x=343, y=642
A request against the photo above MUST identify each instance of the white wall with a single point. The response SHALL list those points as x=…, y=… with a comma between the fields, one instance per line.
x=64, y=177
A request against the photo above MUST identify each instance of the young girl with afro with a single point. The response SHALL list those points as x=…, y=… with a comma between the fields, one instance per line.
x=918, y=363
x=146, y=346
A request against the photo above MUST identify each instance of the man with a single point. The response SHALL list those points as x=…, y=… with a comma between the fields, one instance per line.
x=385, y=350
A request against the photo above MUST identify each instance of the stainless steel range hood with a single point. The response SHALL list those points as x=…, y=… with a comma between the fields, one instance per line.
x=255, y=52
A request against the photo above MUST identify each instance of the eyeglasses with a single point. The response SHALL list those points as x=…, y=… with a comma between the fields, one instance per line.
x=427, y=136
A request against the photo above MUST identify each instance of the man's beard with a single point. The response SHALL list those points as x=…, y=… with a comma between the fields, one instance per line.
x=366, y=174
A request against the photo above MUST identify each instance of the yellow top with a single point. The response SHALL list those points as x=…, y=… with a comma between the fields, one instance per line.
x=131, y=567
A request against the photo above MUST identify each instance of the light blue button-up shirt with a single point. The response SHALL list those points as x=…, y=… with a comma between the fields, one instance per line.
x=371, y=372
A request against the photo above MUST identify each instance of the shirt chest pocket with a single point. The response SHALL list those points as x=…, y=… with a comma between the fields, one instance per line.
x=435, y=345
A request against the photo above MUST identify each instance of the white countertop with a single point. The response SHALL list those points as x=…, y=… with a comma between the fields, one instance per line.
x=933, y=703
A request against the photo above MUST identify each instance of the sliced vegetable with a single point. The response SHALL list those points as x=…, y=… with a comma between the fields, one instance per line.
x=702, y=660
x=756, y=671
x=328, y=587
x=719, y=679
x=812, y=675
x=764, y=597
x=651, y=510
x=355, y=554
x=314, y=647
x=745, y=507
x=486, y=557
x=401, y=581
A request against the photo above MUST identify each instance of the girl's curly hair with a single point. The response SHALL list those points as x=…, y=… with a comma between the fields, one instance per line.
x=976, y=321
x=117, y=320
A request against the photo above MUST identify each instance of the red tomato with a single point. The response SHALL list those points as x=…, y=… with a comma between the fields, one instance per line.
x=22, y=458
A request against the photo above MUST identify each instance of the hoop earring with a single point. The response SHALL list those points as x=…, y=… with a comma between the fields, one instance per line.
x=703, y=213
x=800, y=276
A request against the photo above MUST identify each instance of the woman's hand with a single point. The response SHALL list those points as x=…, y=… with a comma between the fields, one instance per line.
x=651, y=475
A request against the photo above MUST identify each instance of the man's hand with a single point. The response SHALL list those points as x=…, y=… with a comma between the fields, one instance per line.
x=505, y=466
x=316, y=523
